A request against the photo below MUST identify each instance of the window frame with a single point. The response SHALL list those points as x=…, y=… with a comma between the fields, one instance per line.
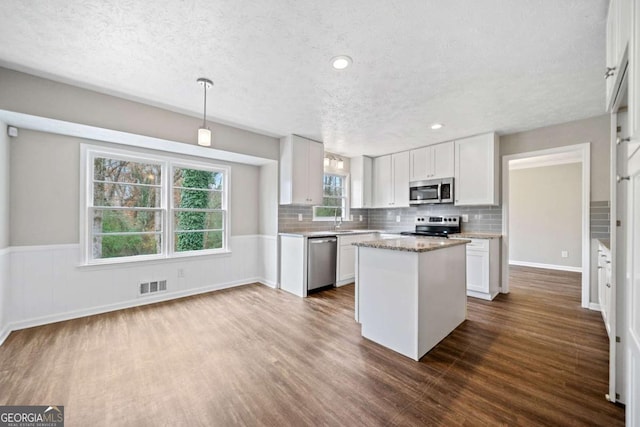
x=345, y=197
x=167, y=165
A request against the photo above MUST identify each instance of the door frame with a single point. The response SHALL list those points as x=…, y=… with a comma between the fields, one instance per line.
x=584, y=150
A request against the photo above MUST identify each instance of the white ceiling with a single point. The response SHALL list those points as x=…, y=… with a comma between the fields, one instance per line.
x=475, y=66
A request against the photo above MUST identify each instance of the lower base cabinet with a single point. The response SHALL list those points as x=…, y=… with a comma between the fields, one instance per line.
x=346, y=263
x=483, y=268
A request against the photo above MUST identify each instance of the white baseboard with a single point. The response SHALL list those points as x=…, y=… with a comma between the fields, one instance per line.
x=268, y=283
x=4, y=334
x=594, y=306
x=546, y=266
x=39, y=321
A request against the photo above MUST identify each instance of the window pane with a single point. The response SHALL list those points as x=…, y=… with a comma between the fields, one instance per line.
x=333, y=191
x=194, y=178
x=197, y=199
x=327, y=201
x=198, y=220
x=322, y=211
x=126, y=195
x=126, y=221
x=126, y=245
x=198, y=240
x=112, y=170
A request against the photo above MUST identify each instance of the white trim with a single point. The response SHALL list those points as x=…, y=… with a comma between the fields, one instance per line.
x=268, y=283
x=547, y=266
x=584, y=150
x=38, y=321
x=6, y=250
x=594, y=306
x=4, y=334
x=543, y=163
x=60, y=127
x=38, y=248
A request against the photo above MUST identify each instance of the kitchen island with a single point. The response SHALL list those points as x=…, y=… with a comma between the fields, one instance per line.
x=410, y=291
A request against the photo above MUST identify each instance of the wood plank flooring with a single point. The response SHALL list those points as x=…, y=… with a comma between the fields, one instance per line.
x=255, y=356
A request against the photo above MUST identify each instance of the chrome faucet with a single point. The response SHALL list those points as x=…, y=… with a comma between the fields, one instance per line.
x=336, y=224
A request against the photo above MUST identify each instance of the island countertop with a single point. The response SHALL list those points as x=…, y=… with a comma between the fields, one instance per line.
x=413, y=244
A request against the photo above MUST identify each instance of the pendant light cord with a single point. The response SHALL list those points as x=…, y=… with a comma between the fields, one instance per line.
x=204, y=116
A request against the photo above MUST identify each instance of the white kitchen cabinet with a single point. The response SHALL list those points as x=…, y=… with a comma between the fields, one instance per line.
x=293, y=264
x=476, y=170
x=346, y=262
x=391, y=180
x=619, y=32
x=483, y=268
x=361, y=182
x=604, y=285
x=634, y=78
x=432, y=162
x=301, y=171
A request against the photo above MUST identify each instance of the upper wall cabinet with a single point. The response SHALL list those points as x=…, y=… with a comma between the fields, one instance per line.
x=476, y=170
x=361, y=182
x=634, y=80
x=391, y=180
x=431, y=162
x=619, y=26
x=301, y=171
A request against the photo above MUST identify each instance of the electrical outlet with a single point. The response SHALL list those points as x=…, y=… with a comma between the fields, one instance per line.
x=397, y=218
x=181, y=272
x=465, y=218
x=299, y=217
x=564, y=254
x=360, y=218
x=350, y=217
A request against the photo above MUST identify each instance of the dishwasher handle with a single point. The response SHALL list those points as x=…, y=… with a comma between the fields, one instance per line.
x=316, y=241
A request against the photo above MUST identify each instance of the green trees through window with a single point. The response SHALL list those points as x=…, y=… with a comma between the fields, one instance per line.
x=128, y=213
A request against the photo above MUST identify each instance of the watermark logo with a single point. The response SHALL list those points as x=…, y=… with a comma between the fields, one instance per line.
x=32, y=416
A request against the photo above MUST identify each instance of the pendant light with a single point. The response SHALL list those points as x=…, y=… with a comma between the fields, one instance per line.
x=204, y=133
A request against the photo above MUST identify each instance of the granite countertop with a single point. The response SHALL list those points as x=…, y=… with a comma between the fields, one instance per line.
x=413, y=244
x=475, y=235
x=328, y=233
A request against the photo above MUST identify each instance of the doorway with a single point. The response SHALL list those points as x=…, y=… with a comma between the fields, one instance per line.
x=579, y=153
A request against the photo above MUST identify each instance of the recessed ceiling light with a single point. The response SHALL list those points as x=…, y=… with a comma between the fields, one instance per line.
x=436, y=126
x=341, y=62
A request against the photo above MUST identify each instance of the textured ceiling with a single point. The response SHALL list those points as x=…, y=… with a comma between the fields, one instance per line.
x=475, y=66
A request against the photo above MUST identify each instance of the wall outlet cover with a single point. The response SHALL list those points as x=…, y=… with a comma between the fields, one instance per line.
x=564, y=254
x=397, y=218
x=299, y=217
x=350, y=217
x=360, y=218
x=465, y=218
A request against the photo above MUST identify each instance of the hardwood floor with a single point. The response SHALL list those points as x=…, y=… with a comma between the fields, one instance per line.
x=255, y=356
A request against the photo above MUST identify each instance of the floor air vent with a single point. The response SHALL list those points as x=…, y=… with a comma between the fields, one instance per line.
x=147, y=288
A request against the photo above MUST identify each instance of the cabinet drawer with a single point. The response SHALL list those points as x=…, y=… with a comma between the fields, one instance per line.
x=479, y=245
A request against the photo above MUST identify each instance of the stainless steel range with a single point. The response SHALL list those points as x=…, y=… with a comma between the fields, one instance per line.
x=435, y=226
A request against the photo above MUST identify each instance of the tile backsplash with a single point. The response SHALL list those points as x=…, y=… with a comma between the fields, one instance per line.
x=288, y=220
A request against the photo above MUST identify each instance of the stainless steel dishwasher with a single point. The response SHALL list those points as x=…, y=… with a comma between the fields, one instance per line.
x=321, y=262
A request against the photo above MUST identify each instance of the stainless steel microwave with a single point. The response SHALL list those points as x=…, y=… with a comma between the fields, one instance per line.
x=431, y=191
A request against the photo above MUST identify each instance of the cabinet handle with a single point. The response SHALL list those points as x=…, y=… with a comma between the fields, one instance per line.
x=608, y=285
x=621, y=140
x=609, y=72
x=608, y=262
x=622, y=178
x=599, y=267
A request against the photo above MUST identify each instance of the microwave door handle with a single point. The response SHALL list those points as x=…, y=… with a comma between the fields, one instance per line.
x=440, y=193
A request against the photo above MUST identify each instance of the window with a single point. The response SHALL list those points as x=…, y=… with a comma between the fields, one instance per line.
x=152, y=207
x=334, y=201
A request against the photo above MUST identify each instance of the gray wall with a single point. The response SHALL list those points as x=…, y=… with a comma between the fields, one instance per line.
x=45, y=190
x=28, y=94
x=544, y=215
x=268, y=195
x=594, y=130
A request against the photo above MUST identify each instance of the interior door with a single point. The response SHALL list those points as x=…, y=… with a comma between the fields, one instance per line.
x=633, y=288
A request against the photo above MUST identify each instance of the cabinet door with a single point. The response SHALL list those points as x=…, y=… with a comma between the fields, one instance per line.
x=478, y=271
x=634, y=77
x=443, y=160
x=300, y=171
x=421, y=164
x=361, y=182
x=315, y=172
x=476, y=169
x=382, y=182
x=400, y=179
x=347, y=263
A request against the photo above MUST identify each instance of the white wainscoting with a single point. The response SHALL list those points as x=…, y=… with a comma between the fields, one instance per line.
x=5, y=296
x=48, y=284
